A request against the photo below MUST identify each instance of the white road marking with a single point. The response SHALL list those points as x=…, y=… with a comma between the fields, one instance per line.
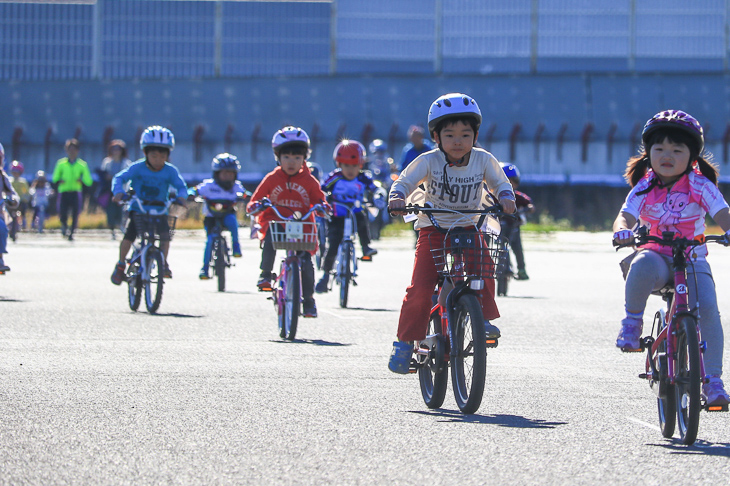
x=645, y=424
x=360, y=318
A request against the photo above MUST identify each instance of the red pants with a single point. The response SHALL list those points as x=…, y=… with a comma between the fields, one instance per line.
x=416, y=310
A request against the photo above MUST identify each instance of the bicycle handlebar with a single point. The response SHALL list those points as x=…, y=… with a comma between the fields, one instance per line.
x=668, y=239
x=495, y=210
x=265, y=204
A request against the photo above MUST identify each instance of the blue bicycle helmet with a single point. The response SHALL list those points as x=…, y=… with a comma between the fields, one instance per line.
x=157, y=136
x=511, y=171
x=225, y=161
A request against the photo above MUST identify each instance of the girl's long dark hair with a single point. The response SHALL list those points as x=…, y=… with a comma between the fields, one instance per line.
x=638, y=165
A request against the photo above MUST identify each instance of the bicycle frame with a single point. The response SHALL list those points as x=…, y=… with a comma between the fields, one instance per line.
x=146, y=240
x=349, y=230
x=677, y=306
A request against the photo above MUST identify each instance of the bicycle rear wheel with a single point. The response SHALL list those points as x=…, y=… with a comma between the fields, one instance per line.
x=688, y=381
x=344, y=273
x=469, y=358
x=134, y=282
x=219, y=255
x=153, y=286
x=433, y=376
x=291, y=305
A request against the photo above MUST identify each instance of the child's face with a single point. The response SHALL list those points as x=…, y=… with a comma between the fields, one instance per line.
x=456, y=139
x=227, y=175
x=513, y=182
x=157, y=158
x=669, y=159
x=291, y=164
x=350, y=171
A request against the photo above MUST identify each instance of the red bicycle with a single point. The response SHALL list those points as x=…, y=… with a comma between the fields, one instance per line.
x=675, y=368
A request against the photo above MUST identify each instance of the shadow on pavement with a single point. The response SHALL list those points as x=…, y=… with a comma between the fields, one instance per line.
x=370, y=309
x=700, y=447
x=316, y=342
x=174, y=314
x=8, y=299
x=502, y=420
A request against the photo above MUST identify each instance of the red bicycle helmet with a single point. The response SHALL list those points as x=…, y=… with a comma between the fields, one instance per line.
x=349, y=152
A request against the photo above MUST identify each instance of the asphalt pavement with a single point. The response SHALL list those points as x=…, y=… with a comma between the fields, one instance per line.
x=205, y=392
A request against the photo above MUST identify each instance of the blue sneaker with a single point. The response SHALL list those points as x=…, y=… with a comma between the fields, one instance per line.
x=400, y=357
x=629, y=338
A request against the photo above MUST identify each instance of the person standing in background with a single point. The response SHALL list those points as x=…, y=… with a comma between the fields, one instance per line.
x=70, y=175
x=115, y=162
x=418, y=145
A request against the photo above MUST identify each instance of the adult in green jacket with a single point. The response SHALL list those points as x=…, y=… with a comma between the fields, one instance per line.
x=70, y=175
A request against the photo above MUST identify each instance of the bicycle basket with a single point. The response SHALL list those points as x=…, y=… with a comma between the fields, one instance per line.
x=472, y=254
x=150, y=224
x=293, y=235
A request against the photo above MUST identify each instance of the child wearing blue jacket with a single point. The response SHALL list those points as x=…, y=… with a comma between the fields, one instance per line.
x=346, y=187
x=220, y=194
x=151, y=180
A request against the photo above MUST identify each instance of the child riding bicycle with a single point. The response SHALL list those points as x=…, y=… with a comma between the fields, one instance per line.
x=673, y=187
x=454, y=177
x=511, y=226
x=224, y=186
x=292, y=189
x=151, y=178
x=347, y=186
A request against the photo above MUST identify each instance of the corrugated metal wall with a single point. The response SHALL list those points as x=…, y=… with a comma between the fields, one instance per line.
x=122, y=39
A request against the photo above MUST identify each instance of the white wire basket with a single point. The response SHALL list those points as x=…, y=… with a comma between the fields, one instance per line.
x=293, y=235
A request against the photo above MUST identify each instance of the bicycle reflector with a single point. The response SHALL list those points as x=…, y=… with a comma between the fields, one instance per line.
x=717, y=408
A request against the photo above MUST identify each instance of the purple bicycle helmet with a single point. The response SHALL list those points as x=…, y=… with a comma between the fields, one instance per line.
x=674, y=119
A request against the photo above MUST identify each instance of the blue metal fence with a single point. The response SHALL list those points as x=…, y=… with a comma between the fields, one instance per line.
x=123, y=39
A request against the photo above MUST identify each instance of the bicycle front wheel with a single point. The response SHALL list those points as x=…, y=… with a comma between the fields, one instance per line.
x=469, y=356
x=688, y=380
x=345, y=272
x=219, y=254
x=134, y=281
x=291, y=305
x=666, y=401
x=433, y=376
x=153, y=286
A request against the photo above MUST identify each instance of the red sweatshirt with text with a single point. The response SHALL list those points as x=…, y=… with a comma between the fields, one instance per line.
x=296, y=193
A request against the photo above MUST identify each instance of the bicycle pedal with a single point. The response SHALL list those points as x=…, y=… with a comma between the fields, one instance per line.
x=626, y=349
x=644, y=376
x=367, y=258
x=413, y=367
x=354, y=284
x=492, y=342
x=717, y=408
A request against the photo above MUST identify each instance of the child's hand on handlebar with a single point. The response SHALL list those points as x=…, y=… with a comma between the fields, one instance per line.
x=396, y=203
x=118, y=197
x=508, y=205
x=623, y=237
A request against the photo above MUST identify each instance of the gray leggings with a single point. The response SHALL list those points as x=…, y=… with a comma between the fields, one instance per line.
x=651, y=271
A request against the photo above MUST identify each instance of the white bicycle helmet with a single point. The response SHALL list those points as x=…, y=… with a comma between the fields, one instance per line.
x=452, y=105
x=157, y=136
x=289, y=137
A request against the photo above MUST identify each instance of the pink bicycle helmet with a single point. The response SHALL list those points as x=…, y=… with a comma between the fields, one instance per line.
x=674, y=119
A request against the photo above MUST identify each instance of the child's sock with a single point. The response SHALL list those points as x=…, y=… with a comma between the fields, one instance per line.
x=639, y=316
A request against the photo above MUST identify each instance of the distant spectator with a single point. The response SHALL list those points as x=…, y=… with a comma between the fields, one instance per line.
x=115, y=162
x=71, y=174
x=418, y=145
x=40, y=191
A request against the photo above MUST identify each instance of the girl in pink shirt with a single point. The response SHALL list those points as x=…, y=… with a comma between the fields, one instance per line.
x=673, y=188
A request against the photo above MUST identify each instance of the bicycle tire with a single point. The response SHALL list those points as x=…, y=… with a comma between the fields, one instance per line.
x=291, y=301
x=219, y=251
x=134, y=287
x=433, y=376
x=469, y=358
x=345, y=273
x=153, y=287
x=688, y=381
x=666, y=402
